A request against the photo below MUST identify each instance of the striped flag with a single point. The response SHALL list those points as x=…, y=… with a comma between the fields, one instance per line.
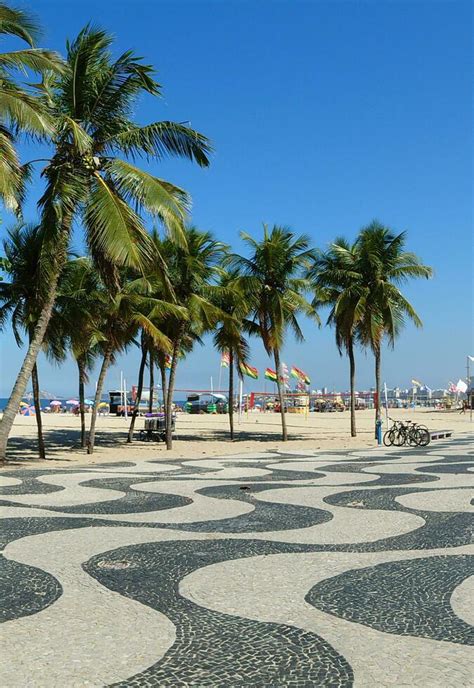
x=248, y=370
x=168, y=361
x=270, y=374
x=225, y=359
x=300, y=375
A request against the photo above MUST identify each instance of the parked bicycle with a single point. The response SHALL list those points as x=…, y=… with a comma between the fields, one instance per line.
x=412, y=434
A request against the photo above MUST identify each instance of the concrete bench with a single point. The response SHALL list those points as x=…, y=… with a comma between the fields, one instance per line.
x=440, y=434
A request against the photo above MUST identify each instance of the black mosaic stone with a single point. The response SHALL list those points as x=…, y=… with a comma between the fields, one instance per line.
x=410, y=597
x=441, y=529
x=25, y=590
x=212, y=648
x=134, y=501
x=455, y=468
x=264, y=517
x=29, y=483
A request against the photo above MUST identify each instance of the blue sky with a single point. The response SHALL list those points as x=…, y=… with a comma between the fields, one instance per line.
x=323, y=116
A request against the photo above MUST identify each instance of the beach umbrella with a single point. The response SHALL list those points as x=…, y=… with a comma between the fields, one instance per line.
x=55, y=402
x=23, y=404
x=73, y=402
x=102, y=404
x=27, y=411
x=89, y=402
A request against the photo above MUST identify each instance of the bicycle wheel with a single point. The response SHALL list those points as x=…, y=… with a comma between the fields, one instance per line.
x=424, y=437
x=413, y=439
x=388, y=437
x=400, y=437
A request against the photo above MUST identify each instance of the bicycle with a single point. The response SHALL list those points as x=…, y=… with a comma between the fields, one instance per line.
x=408, y=432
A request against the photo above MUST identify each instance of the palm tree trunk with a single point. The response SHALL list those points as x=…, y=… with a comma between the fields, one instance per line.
x=39, y=421
x=231, y=393
x=169, y=398
x=26, y=369
x=152, y=381
x=141, y=373
x=377, y=385
x=97, y=398
x=284, y=432
x=82, y=409
x=350, y=351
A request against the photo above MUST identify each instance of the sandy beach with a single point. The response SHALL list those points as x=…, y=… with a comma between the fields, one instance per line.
x=198, y=436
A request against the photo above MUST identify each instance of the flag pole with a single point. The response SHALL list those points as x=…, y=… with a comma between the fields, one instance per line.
x=241, y=384
x=469, y=390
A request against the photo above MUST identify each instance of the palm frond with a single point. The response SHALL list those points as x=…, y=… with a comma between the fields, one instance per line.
x=113, y=228
x=160, y=140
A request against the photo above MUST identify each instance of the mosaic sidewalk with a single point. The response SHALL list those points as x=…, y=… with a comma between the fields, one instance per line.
x=298, y=569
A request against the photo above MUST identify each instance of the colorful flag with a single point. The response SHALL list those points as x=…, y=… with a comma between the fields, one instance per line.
x=416, y=383
x=168, y=361
x=248, y=370
x=270, y=374
x=461, y=386
x=300, y=375
x=452, y=388
x=471, y=358
x=225, y=359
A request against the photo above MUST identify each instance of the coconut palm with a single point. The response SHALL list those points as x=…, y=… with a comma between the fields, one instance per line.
x=338, y=284
x=22, y=295
x=122, y=316
x=20, y=110
x=272, y=278
x=75, y=323
x=93, y=104
x=384, y=266
x=192, y=269
x=229, y=336
x=144, y=346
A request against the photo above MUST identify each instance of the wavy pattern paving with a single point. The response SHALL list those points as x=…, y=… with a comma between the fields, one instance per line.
x=377, y=597
x=274, y=569
x=212, y=648
x=25, y=590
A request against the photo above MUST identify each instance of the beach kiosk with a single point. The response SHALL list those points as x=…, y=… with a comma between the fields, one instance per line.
x=206, y=403
x=116, y=402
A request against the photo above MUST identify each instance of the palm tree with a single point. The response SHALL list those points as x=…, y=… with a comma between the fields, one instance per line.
x=229, y=335
x=19, y=108
x=122, y=316
x=192, y=269
x=338, y=283
x=22, y=296
x=385, y=266
x=272, y=278
x=144, y=346
x=75, y=323
x=93, y=104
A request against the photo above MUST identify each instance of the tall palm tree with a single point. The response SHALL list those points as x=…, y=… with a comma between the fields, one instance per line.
x=123, y=314
x=272, y=277
x=192, y=269
x=144, y=347
x=229, y=334
x=75, y=323
x=338, y=284
x=22, y=296
x=93, y=103
x=20, y=110
x=385, y=266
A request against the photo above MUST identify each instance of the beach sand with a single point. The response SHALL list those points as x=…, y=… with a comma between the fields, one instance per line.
x=207, y=436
